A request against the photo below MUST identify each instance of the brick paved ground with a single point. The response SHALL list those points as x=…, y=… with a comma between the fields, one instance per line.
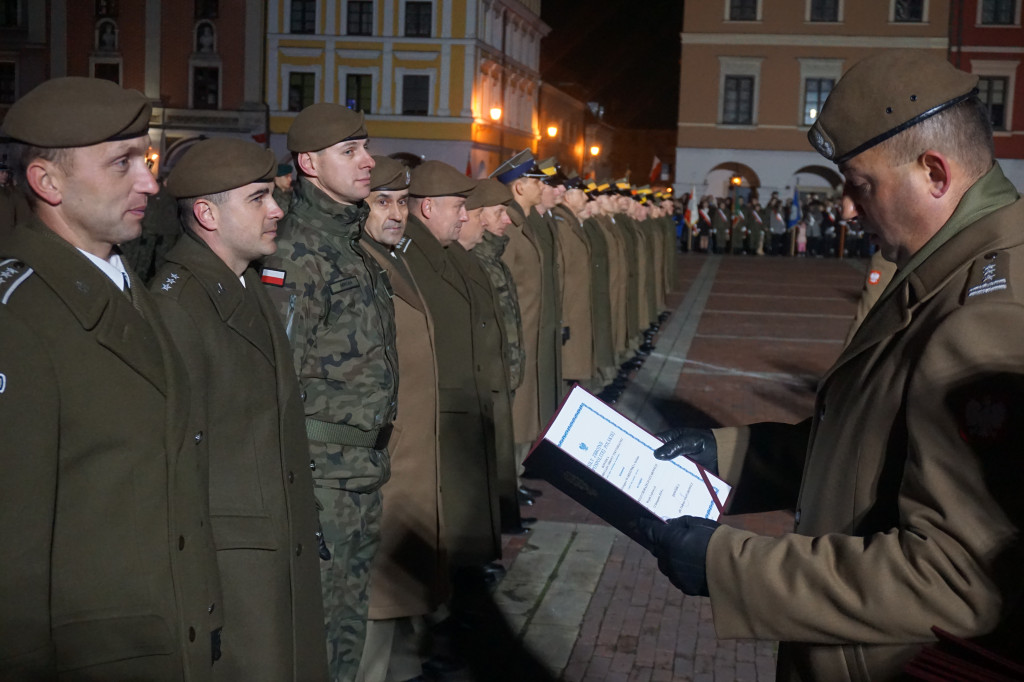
x=767, y=329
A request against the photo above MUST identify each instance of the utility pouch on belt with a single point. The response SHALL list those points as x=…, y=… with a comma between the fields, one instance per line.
x=343, y=434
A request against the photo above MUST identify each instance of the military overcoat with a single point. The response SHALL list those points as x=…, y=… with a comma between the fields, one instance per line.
x=467, y=480
x=906, y=481
x=600, y=302
x=409, y=576
x=262, y=508
x=574, y=250
x=108, y=563
x=523, y=261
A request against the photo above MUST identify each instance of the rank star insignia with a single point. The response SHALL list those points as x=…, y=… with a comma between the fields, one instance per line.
x=985, y=418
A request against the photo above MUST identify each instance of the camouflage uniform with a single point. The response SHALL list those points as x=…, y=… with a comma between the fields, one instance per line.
x=283, y=198
x=489, y=254
x=336, y=305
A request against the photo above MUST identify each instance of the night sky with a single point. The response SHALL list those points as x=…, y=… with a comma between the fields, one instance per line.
x=624, y=54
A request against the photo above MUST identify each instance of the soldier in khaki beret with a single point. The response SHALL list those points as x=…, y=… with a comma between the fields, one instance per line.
x=409, y=578
x=468, y=340
x=261, y=493
x=335, y=302
x=108, y=563
x=906, y=480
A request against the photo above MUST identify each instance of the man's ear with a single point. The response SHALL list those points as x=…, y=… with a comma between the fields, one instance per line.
x=45, y=178
x=938, y=171
x=426, y=206
x=517, y=187
x=307, y=163
x=205, y=214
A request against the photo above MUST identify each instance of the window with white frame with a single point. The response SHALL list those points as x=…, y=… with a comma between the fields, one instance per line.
x=360, y=18
x=999, y=12
x=358, y=91
x=823, y=10
x=301, y=90
x=909, y=11
x=205, y=87
x=303, y=16
x=816, y=91
x=418, y=19
x=992, y=92
x=743, y=10
x=107, y=69
x=997, y=81
x=817, y=77
x=415, y=95
x=738, y=100
x=738, y=90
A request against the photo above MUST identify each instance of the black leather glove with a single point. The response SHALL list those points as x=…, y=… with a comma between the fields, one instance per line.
x=681, y=546
x=696, y=444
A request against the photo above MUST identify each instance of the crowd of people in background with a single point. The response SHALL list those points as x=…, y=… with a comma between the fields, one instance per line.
x=743, y=225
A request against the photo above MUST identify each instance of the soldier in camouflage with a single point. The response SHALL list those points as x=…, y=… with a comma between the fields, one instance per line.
x=495, y=220
x=335, y=301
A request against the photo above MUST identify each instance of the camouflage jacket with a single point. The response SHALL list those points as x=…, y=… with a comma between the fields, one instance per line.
x=488, y=252
x=335, y=301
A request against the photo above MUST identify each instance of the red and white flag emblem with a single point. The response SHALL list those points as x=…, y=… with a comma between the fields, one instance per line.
x=874, y=277
x=272, y=277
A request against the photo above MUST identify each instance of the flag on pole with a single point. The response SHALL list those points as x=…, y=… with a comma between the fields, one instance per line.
x=469, y=165
x=794, y=215
x=655, y=170
x=691, y=207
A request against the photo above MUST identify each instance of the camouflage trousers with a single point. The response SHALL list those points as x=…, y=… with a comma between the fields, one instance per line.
x=351, y=526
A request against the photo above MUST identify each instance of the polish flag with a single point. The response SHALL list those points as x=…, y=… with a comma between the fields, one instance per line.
x=655, y=170
x=272, y=277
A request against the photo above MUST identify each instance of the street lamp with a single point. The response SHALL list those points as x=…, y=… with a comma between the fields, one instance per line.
x=495, y=114
x=595, y=149
x=552, y=130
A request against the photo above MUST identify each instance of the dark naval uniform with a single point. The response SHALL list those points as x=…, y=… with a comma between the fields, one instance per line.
x=335, y=302
x=262, y=508
x=108, y=563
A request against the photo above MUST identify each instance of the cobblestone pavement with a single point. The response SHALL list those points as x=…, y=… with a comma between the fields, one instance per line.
x=746, y=342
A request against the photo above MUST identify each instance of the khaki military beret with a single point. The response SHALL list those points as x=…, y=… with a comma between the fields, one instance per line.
x=438, y=179
x=77, y=112
x=322, y=125
x=883, y=95
x=489, y=192
x=220, y=164
x=388, y=174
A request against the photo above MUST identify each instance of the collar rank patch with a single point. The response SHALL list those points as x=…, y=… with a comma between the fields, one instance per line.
x=990, y=278
x=171, y=280
x=272, y=277
x=403, y=245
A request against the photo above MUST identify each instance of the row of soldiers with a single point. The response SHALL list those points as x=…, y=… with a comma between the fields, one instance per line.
x=271, y=463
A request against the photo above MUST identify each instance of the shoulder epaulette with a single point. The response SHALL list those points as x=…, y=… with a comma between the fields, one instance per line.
x=989, y=276
x=13, y=273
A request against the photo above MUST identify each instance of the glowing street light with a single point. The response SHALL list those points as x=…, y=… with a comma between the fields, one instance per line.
x=595, y=150
x=495, y=113
x=552, y=131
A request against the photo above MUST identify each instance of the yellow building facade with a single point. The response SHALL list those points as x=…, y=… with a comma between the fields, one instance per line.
x=454, y=80
x=755, y=72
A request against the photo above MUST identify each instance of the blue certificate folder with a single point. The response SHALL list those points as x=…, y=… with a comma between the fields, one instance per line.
x=574, y=478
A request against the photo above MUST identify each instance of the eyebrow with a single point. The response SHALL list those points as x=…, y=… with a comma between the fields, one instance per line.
x=259, y=193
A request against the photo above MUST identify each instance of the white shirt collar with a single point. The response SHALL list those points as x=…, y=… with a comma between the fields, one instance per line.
x=112, y=268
